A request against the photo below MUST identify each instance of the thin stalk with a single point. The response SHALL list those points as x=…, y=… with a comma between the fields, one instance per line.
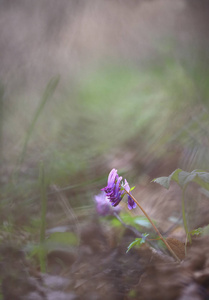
x=51, y=86
x=42, y=256
x=184, y=214
x=134, y=230
x=47, y=94
x=155, y=228
x=1, y=123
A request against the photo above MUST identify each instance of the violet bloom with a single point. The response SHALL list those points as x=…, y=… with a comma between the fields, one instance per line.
x=115, y=190
x=103, y=206
x=131, y=203
x=112, y=178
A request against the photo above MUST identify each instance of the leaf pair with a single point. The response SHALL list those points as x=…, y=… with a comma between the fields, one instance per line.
x=183, y=178
x=137, y=242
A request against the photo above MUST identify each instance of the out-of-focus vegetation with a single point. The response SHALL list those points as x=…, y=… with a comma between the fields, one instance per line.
x=133, y=92
x=111, y=106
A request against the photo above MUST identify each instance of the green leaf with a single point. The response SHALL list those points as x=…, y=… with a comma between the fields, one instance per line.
x=164, y=181
x=202, y=179
x=197, y=231
x=63, y=238
x=174, y=220
x=200, y=230
x=205, y=230
x=131, y=189
x=204, y=192
x=198, y=176
x=137, y=242
x=127, y=218
x=142, y=221
x=175, y=175
x=185, y=177
x=115, y=222
x=135, y=221
x=36, y=249
x=182, y=178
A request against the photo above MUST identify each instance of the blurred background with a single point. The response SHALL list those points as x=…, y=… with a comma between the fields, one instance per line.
x=91, y=85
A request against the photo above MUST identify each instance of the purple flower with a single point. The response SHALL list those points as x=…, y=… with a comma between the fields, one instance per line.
x=115, y=190
x=115, y=194
x=103, y=206
x=112, y=178
x=131, y=203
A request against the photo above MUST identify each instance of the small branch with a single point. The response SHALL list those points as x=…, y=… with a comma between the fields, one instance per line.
x=184, y=214
x=134, y=230
x=155, y=228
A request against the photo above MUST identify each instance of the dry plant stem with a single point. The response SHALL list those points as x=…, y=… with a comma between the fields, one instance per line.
x=155, y=228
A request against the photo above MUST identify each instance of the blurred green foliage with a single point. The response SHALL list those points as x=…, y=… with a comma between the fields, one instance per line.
x=107, y=107
x=78, y=127
x=97, y=114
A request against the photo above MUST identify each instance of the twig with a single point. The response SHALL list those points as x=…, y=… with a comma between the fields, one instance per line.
x=155, y=228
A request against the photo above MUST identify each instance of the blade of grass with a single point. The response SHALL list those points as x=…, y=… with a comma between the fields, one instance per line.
x=188, y=235
x=43, y=187
x=1, y=122
x=51, y=86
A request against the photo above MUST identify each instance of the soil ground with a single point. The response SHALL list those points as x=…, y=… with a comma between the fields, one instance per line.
x=99, y=267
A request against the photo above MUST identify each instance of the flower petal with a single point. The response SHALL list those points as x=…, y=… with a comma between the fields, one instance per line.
x=131, y=203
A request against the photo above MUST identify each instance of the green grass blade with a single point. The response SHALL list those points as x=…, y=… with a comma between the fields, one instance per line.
x=1, y=122
x=46, y=96
x=43, y=188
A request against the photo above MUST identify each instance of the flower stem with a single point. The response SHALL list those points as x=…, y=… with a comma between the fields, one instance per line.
x=184, y=214
x=134, y=230
x=155, y=228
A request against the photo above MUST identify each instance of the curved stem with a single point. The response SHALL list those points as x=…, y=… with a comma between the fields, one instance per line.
x=134, y=230
x=184, y=214
x=155, y=228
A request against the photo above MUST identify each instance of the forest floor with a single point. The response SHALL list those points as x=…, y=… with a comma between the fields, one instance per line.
x=84, y=256
x=97, y=265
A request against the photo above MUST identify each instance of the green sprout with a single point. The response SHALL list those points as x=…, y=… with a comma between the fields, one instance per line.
x=183, y=178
